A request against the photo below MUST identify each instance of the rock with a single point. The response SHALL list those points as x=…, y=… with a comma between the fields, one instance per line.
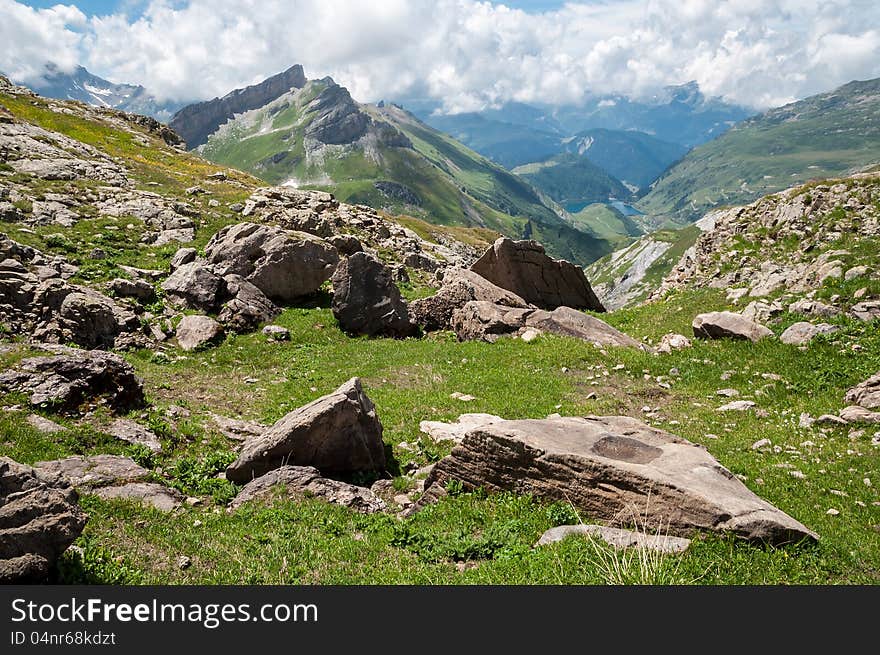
x=93, y=471
x=65, y=381
x=247, y=308
x=155, y=495
x=727, y=393
x=346, y=244
x=762, y=312
x=285, y=265
x=460, y=286
x=813, y=308
x=38, y=522
x=181, y=257
x=439, y=431
x=802, y=333
x=184, y=562
x=276, y=333
x=237, y=429
x=137, y=289
x=195, y=331
x=727, y=325
x=607, y=467
x=856, y=272
x=867, y=311
x=479, y=320
x=44, y=425
x=736, y=406
x=366, y=300
x=523, y=268
x=672, y=341
x=856, y=414
x=617, y=537
x=530, y=334
x=194, y=286
x=760, y=444
x=135, y=433
x=306, y=481
x=866, y=394
x=830, y=419
x=338, y=434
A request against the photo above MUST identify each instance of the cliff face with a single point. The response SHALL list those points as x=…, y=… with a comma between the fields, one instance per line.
x=196, y=122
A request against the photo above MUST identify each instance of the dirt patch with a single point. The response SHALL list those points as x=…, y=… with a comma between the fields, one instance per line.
x=617, y=395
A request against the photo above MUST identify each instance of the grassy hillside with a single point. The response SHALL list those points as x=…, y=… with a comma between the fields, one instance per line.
x=572, y=181
x=824, y=136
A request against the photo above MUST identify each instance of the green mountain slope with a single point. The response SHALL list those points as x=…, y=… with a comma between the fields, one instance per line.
x=317, y=136
x=823, y=136
x=572, y=181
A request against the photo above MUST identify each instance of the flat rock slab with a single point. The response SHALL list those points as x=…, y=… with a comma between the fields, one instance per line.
x=856, y=414
x=338, y=433
x=155, y=495
x=195, y=331
x=93, y=471
x=728, y=325
x=866, y=394
x=134, y=433
x=613, y=468
x=301, y=481
x=440, y=431
x=44, y=425
x=617, y=537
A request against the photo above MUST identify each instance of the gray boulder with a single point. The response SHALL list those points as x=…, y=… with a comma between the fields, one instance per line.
x=38, y=521
x=152, y=494
x=194, y=286
x=137, y=289
x=728, y=325
x=366, y=300
x=181, y=257
x=306, y=481
x=66, y=381
x=195, y=331
x=802, y=333
x=87, y=472
x=247, y=308
x=617, y=537
x=616, y=469
x=866, y=394
x=867, y=311
x=135, y=433
x=524, y=268
x=338, y=434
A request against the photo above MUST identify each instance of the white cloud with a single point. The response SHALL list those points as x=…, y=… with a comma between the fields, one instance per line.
x=468, y=54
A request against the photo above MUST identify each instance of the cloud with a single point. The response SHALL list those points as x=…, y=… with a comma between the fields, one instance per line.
x=465, y=53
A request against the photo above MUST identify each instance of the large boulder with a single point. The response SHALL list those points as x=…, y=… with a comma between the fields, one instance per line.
x=338, y=434
x=366, y=300
x=88, y=472
x=616, y=469
x=195, y=286
x=285, y=265
x=38, y=521
x=802, y=332
x=248, y=307
x=866, y=394
x=525, y=269
x=728, y=325
x=485, y=321
x=306, y=481
x=67, y=380
x=195, y=331
x=460, y=286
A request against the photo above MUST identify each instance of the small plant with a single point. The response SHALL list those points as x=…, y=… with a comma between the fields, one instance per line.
x=198, y=477
x=91, y=563
x=561, y=513
x=454, y=487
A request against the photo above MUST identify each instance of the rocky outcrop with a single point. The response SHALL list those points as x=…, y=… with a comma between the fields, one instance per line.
x=366, y=300
x=338, y=434
x=485, y=321
x=66, y=381
x=299, y=482
x=459, y=287
x=866, y=394
x=38, y=521
x=195, y=123
x=523, y=268
x=728, y=325
x=615, y=469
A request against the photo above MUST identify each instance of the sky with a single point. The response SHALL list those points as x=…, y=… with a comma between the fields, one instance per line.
x=466, y=54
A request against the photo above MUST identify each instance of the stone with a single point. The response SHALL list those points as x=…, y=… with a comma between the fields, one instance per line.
x=459, y=287
x=134, y=433
x=813, y=308
x=440, y=431
x=194, y=286
x=339, y=433
x=285, y=265
x=760, y=444
x=38, y=522
x=366, y=301
x=64, y=382
x=802, y=333
x=617, y=537
x=248, y=307
x=237, y=429
x=830, y=420
x=762, y=312
x=569, y=322
x=44, y=425
x=523, y=268
x=137, y=289
x=346, y=244
x=195, y=331
x=736, y=406
x=181, y=257
x=727, y=393
x=672, y=341
x=867, y=311
x=866, y=394
x=728, y=325
x=856, y=272
x=276, y=333
x=152, y=494
x=856, y=414
x=93, y=471
x=306, y=481
x=608, y=467
x=530, y=334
